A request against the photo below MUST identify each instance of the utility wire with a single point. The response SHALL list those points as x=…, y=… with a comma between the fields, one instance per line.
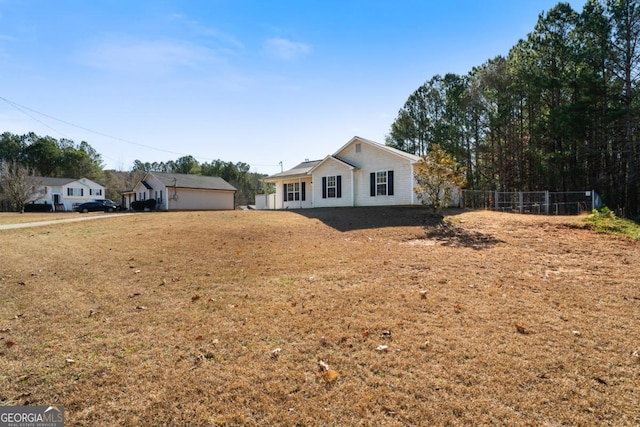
x=22, y=109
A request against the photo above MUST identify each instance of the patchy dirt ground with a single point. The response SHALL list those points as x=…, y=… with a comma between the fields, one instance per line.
x=379, y=316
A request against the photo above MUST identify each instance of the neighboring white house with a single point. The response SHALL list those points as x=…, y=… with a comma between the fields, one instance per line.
x=66, y=193
x=361, y=173
x=174, y=191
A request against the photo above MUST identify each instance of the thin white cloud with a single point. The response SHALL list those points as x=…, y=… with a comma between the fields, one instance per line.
x=284, y=49
x=154, y=56
x=201, y=30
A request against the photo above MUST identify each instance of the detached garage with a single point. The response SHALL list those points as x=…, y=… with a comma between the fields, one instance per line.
x=175, y=191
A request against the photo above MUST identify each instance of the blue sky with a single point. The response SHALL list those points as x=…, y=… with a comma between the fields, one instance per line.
x=260, y=81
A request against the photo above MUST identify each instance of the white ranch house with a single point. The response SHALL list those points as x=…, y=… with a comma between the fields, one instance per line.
x=175, y=191
x=360, y=173
x=64, y=194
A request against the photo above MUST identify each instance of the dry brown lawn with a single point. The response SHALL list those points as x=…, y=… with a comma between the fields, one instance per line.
x=19, y=218
x=322, y=317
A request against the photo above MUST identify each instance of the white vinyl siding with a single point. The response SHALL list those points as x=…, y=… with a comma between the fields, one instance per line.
x=372, y=159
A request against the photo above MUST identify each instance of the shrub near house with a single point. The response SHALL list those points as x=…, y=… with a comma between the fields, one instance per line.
x=143, y=205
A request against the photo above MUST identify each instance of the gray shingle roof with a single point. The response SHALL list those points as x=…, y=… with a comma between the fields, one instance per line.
x=193, y=181
x=54, y=182
x=300, y=169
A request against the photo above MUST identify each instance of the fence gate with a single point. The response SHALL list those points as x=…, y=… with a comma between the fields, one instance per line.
x=532, y=202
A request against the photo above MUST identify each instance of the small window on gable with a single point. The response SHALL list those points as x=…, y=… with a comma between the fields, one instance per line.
x=358, y=148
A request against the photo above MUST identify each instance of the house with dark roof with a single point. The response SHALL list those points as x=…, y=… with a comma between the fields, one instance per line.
x=64, y=194
x=360, y=173
x=175, y=191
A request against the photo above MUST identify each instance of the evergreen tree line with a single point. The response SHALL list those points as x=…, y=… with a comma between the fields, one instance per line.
x=560, y=112
x=49, y=157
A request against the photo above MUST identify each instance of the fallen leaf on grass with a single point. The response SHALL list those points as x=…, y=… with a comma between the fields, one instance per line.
x=140, y=307
x=325, y=373
x=576, y=333
x=365, y=334
x=275, y=353
x=601, y=381
x=195, y=298
x=10, y=343
x=70, y=361
x=521, y=329
x=382, y=348
x=133, y=295
x=328, y=376
x=5, y=330
x=386, y=334
x=423, y=294
x=457, y=308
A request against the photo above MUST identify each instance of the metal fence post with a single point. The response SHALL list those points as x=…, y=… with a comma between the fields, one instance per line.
x=521, y=201
x=546, y=202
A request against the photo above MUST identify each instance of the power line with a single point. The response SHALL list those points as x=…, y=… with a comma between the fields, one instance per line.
x=22, y=109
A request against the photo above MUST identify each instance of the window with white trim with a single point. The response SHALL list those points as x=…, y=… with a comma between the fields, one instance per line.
x=293, y=191
x=381, y=183
x=75, y=192
x=331, y=186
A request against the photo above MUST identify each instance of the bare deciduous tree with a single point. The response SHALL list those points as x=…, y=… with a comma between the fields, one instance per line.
x=18, y=185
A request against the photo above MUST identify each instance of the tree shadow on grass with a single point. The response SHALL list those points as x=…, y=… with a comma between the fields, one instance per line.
x=449, y=234
x=436, y=226
x=346, y=219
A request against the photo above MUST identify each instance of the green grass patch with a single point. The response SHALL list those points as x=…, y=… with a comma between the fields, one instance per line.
x=605, y=221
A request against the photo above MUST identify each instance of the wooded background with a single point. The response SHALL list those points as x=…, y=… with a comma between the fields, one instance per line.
x=560, y=112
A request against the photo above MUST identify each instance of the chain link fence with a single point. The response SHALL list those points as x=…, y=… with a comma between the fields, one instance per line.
x=532, y=202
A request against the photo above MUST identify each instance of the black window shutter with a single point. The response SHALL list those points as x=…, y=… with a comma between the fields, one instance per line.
x=285, y=193
x=339, y=186
x=390, y=183
x=324, y=187
x=302, y=190
x=82, y=192
x=372, y=181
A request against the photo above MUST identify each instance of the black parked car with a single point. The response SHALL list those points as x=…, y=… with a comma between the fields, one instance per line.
x=104, y=205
